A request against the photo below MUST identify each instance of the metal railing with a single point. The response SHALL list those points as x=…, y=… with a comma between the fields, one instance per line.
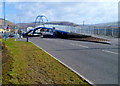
x=90, y=30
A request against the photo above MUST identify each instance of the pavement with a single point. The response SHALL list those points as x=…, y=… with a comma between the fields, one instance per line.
x=112, y=41
x=95, y=61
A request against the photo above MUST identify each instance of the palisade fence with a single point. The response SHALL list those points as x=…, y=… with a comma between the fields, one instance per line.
x=90, y=30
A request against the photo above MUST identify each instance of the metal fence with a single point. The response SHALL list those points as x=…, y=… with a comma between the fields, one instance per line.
x=90, y=30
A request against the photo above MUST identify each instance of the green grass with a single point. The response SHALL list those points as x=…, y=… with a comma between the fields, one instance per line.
x=30, y=65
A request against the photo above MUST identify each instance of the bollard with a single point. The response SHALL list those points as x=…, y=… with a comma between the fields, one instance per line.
x=27, y=38
x=5, y=36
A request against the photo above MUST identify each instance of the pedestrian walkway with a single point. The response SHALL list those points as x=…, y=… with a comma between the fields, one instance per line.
x=113, y=41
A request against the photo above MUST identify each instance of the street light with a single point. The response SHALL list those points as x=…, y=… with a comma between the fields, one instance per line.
x=4, y=14
x=5, y=34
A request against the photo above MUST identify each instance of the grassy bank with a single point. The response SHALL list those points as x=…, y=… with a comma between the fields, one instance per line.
x=24, y=63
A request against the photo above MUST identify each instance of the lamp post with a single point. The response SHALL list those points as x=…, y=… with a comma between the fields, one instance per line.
x=5, y=34
x=4, y=14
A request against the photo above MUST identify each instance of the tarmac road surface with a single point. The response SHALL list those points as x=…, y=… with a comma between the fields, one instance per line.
x=95, y=61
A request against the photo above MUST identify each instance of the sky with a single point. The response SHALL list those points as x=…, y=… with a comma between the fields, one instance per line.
x=90, y=12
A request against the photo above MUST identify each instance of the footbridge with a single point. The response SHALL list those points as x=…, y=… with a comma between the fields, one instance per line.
x=47, y=30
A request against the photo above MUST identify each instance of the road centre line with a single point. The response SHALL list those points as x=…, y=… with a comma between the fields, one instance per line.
x=110, y=52
x=79, y=45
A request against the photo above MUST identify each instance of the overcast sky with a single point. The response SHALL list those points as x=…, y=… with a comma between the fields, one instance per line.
x=77, y=12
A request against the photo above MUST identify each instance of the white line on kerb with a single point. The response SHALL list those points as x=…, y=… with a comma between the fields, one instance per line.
x=79, y=45
x=65, y=65
x=109, y=51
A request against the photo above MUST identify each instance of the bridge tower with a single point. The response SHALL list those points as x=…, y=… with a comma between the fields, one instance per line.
x=40, y=20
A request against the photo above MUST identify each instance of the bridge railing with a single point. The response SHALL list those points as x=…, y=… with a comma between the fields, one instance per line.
x=90, y=30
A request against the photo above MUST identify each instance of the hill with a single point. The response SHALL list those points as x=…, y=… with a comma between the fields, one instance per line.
x=7, y=23
x=62, y=23
x=11, y=24
x=25, y=25
x=113, y=24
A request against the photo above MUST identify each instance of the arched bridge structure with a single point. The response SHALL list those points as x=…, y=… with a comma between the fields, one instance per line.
x=40, y=19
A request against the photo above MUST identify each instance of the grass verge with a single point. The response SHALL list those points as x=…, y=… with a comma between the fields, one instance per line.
x=24, y=63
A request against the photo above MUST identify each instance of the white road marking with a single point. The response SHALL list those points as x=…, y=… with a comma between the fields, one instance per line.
x=59, y=41
x=47, y=39
x=110, y=52
x=54, y=40
x=79, y=45
x=66, y=65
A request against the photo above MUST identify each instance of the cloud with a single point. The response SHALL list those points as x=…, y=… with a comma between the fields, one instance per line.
x=77, y=12
x=62, y=0
x=98, y=12
x=91, y=12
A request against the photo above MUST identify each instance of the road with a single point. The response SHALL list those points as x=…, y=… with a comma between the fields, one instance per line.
x=96, y=62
